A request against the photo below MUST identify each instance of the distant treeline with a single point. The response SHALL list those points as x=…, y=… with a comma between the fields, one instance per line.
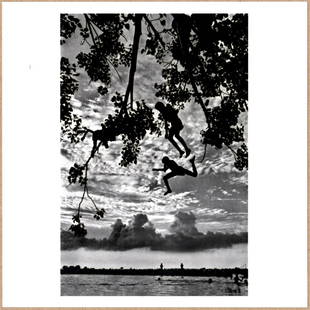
x=203, y=272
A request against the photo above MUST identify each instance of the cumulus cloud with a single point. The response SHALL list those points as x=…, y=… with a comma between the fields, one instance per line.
x=184, y=224
x=140, y=232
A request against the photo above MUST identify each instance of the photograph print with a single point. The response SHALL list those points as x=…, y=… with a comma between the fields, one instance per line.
x=154, y=157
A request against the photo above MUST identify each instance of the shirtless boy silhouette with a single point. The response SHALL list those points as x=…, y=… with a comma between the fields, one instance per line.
x=175, y=170
x=170, y=115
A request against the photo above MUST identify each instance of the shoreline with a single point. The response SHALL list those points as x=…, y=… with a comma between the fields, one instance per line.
x=202, y=272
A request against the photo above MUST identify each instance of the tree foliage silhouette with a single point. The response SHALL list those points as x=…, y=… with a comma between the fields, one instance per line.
x=202, y=56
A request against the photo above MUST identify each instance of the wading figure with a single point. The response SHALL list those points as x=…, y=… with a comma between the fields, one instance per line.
x=175, y=170
x=170, y=115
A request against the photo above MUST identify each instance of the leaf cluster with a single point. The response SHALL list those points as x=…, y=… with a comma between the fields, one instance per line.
x=132, y=125
x=68, y=86
x=76, y=174
x=242, y=157
x=78, y=230
x=99, y=214
x=68, y=25
x=107, y=48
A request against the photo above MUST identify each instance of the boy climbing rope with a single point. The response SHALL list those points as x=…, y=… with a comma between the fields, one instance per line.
x=175, y=170
x=170, y=115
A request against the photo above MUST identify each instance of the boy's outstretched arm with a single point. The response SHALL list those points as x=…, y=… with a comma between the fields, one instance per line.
x=158, y=169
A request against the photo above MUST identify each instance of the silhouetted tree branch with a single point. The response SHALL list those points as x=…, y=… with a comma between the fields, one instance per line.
x=184, y=43
x=156, y=33
x=135, y=47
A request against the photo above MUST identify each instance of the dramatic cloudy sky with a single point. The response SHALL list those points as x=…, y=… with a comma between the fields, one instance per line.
x=217, y=197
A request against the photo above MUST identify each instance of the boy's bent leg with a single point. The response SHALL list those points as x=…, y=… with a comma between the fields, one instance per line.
x=187, y=149
x=190, y=173
x=165, y=178
x=170, y=138
x=195, y=173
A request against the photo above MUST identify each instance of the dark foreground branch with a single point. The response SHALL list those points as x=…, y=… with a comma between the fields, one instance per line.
x=133, y=66
x=156, y=33
x=184, y=43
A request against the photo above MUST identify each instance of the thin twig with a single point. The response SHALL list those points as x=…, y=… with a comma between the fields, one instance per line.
x=124, y=37
x=110, y=62
x=156, y=33
x=155, y=19
x=91, y=198
x=204, y=154
x=92, y=25
x=85, y=40
x=167, y=64
x=233, y=151
x=84, y=190
x=90, y=29
x=95, y=23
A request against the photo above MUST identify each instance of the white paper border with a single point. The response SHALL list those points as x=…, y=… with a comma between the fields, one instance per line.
x=277, y=150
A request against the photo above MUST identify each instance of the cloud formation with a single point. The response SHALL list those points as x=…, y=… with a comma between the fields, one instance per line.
x=140, y=232
x=184, y=224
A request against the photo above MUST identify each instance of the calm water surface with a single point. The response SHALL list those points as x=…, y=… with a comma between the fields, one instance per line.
x=112, y=285
x=235, y=256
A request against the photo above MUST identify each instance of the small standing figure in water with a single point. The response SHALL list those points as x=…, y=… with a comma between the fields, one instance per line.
x=175, y=170
x=170, y=115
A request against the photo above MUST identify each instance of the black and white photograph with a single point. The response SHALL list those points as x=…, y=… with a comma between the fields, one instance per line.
x=154, y=154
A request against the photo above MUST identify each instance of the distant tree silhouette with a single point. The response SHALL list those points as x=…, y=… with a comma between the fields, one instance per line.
x=203, y=272
x=202, y=56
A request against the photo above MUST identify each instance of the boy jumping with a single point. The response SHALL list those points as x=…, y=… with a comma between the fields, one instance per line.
x=175, y=170
x=170, y=115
